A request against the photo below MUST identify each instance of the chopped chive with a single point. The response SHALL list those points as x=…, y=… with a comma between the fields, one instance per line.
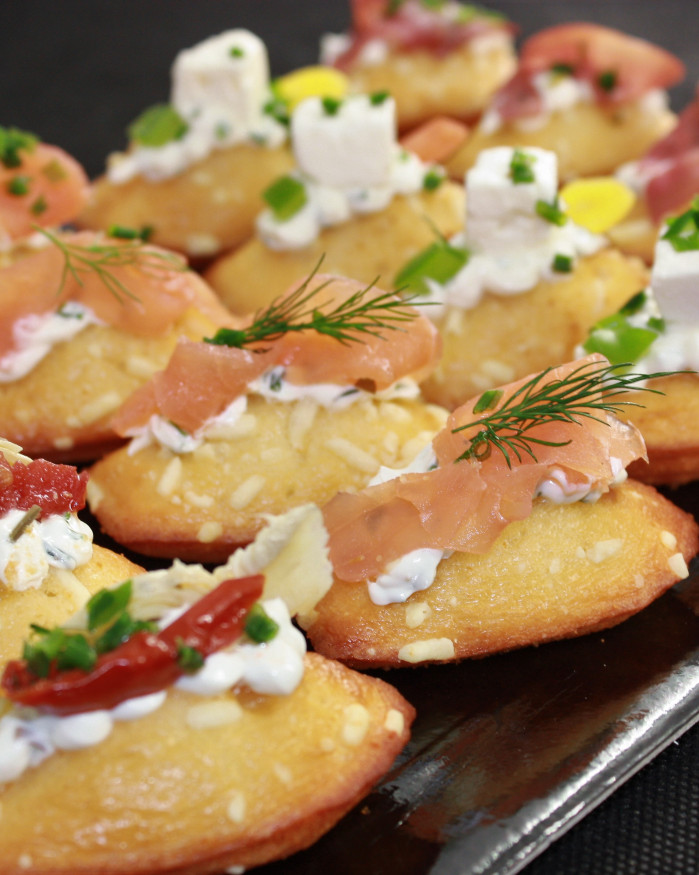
x=276, y=378
x=76, y=652
x=521, y=167
x=488, y=400
x=237, y=52
x=157, y=126
x=607, y=80
x=54, y=171
x=278, y=110
x=12, y=142
x=562, y=69
x=562, y=263
x=432, y=180
x=331, y=105
x=683, y=230
x=378, y=97
x=39, y=206
x=122, y=232
x=189, y=658
x=551, y=212
x=285, y=197
x=440, y=261
x=18, y=185
x=259, y=626
x=635, y=303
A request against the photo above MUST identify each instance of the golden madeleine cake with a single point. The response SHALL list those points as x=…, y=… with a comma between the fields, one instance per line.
x=657, y=330
x=312, y=396
x=665, y=180
x=196, y=166
x=434, y=58
x=49, y=566
x=40, y=186
x=356, y=199
x=517, y=526
x=176, y=723
x=86, y=319
x=519, y=287
x=593, y=95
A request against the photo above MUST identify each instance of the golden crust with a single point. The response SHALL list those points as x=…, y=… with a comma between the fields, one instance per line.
x=367, y=247
x=193, y=506
x=506, y=337
x=61, y=409
x=564, y=571
x=58, y=598
x=669, y=424
x=589, y=140
x=207, y=209
x=159, y=796
x=423, y=84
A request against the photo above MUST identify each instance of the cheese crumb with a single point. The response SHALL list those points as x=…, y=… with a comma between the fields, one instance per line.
x=604, y=550
x=247, y=491
x=356, y=724
x=667, y=539
x=429, y=649
x=236, y=807
x=170, y=477
x=208, y=715
x=394, y=722
x=678, y=566
x=352, y=455
x=209, y=531
x=416, y=613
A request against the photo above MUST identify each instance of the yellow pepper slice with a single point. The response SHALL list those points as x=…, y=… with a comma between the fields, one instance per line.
x=597, y=203
x=311, y=82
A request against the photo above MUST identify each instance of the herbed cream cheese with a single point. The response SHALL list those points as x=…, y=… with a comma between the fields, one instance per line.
x=27, y=737
x=273, y=387
x=58, y=541
x=348, y=162
x=416, y=571
x=36, y=334
x=220, y=88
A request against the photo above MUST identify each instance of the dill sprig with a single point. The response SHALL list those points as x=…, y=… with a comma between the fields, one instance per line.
x=585, y=393
x=102, y=258
x=347, y=321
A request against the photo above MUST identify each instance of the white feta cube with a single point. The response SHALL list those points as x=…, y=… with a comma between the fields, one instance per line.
x=675, y=283
x=351, y=148
x=226, y=75
x=502, y=212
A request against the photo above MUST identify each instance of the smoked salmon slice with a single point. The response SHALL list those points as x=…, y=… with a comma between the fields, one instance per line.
x=464, y=503
x=202, y=378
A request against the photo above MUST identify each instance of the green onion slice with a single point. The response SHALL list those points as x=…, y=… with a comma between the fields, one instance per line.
x=440, y=261
x=285, y=197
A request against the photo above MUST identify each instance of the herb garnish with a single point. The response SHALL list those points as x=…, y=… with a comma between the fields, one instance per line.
x=607, y=80
x=259, y=626
x=39, y=206
x=562, y=263
x=584, y=393
x=683, y=230
x=19, y=185
x=285, y=197
x=551, y=212
x=26, y=520
x=157, y=126
x=12, y=141
x=101, y=259
x=521, y=167
x=109, y=624
x=345, y=321
x=433, y=179
x=620, y=340
x=440, y=261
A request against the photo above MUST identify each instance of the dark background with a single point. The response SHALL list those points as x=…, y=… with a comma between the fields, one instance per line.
x=77, y=72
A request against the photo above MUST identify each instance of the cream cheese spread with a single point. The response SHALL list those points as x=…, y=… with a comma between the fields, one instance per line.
x=58, y=541
x=36, y=334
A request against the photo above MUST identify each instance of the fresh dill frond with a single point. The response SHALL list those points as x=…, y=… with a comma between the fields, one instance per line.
x=363, y=313
x=588, y=392
x=102, y=258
